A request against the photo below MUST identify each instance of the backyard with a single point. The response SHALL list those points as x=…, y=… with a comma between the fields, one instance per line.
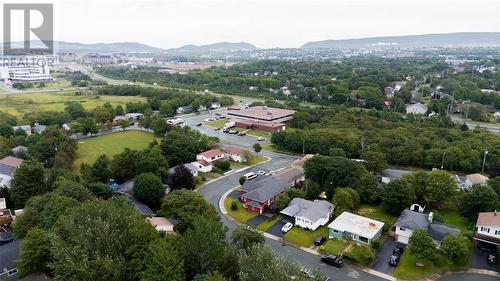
x=90, y=148
x=408, y=270
x=376, y=213
x=19, y=104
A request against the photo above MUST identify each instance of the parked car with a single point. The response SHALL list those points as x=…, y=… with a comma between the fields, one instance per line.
x=287, y=227
x=270, y=173
x=332, y=260
x=261, y=172
x=242, y=134
x=198, y=125
x=394, y=260
x=225, y=131
x=307, y=272
x=319, y=240
x=261, y=139
x=217, y=129
x=232, y=132
x=250, y=176
x=492, y=258
x=398, y=250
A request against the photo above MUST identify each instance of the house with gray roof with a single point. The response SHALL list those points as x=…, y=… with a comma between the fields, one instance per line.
x=309, y=214
x=259, y=195
x=25, y=128
x=410, y=221
x=9, y=253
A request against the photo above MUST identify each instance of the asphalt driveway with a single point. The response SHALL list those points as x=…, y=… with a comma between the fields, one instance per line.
x=382, y=261
x=479, y=258
x=276, y=228
x=257, y=220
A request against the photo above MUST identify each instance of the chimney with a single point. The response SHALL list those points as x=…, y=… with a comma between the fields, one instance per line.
x=495, y=213
x=431, y=215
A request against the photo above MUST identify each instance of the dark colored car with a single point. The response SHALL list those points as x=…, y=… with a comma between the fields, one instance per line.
x=394, y=260
x=199, y=124
x=242, y=134
x=319, y=240
x=217, y=129
x=226, y=131
x=398, y=250
x=332, y=260
x=492, y=258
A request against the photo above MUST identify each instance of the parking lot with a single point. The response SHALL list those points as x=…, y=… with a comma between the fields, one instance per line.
x=382, y=261
x=276, y=228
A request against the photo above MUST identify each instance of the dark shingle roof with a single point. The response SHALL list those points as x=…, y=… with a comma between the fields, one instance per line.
x=8, y=254
x=439, y=231
x=269, y=188
x=412, y=220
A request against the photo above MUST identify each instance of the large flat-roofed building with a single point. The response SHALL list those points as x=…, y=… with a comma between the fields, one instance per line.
x=269, y=127
x=263, y=113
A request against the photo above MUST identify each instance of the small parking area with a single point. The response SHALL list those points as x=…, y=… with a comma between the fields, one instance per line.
x=480, y=256
x=276, y=228
x=382, y=261
x=257, y=220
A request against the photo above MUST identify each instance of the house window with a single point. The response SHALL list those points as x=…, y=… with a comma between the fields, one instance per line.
x=402, y=229
x=335, y=231
x=363, y=239
x=485, y=229
x=12, y=272
x=497, y=232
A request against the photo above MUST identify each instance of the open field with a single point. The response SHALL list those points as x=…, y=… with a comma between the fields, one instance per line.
x=90, y=148
x=19, y=104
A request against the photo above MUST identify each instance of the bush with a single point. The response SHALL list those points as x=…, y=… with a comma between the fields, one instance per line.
x=234, y=206
x=224, y=165
x=149, y=189
x=321, y=248
x=376, y=244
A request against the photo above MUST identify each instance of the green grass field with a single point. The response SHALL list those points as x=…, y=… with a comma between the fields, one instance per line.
x=241, y=214
x=304, y=237
x=408, y=270
x=454, y=218
x=376, y=213
x=19, y=104
x=218, y=123
x=90, y=148
x=335, y=246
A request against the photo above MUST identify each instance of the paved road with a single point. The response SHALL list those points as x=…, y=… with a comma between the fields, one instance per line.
x=468, y=277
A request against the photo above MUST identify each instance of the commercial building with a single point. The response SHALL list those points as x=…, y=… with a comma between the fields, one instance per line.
x=263, y=113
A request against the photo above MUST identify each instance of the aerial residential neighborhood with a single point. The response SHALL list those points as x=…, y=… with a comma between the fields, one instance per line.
x=250, y=140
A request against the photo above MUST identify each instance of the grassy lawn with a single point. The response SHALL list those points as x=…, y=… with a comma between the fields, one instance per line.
x=408, y=270
x=304, y=237
x=376, y=213
x=258, y=133
x=241, y=214
x=454, y=218
x=269, y=222
x=90, y=148
x=218, y=123
x=256, y=159
x=335, y=246
x=18, y=105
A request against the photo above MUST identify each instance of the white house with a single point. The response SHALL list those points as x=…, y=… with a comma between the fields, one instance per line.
x=409, y=221
x=309, y=214
x=25, y=128
x=234, y=153
x=192, y=168
x=488, y=228
x=8, y=167
x=417, y=108
x=474, y=179
x=202, y=166
x=360, y=229
x=211, y=155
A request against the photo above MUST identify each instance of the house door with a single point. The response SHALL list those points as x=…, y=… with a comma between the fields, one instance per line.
x=355, y=237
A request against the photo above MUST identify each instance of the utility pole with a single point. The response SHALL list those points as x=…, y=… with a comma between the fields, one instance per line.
x=303, y=147
x=484, y=159
x=467, y=112
x=442, y=160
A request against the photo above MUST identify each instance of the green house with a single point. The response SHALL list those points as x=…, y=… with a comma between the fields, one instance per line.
x=360, y=229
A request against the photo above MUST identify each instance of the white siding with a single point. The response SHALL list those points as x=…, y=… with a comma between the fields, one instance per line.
x=492, y=231
x=403, y=234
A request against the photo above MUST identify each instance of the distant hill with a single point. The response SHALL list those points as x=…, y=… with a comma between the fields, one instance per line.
x=221, y=47
x=459, y=39
x=119, y=47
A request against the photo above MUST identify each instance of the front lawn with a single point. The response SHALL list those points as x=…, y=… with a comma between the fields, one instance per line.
x=269, y=222
x=304, y=237
x=240, y=214
x=376, y=213
x=454, y=218
x=335, y=246
x=256, y=159
x=258, y=133
x=408, y=270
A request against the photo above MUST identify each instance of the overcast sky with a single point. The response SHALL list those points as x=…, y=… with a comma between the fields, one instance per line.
x=274, y=23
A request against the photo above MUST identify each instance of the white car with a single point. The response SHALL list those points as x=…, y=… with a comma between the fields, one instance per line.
x=261, y=172
x=270, y=173
x=287, y=227
x=261, y=139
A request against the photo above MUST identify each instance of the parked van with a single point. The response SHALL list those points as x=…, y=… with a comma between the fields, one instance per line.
x=250, y=176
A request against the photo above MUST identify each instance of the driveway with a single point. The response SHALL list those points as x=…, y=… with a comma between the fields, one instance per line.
x=479, y=258
x=382, y=261
x=257, y=220
x=276, y=228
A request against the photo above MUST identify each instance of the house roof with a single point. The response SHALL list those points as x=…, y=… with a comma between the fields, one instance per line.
x=356, y=224
x=417, y=105
x=412, y=220
x=300, y=162
x=203, y=163
x=438, y=231
x=477, y=178
x=395, y=173
x=269, y=188
x=488, y=218
x=11, y=161
x=211, y=153
x=19, y=149
x=159, y=221
x=290, y=175
x=312, y=210
x=233, y=150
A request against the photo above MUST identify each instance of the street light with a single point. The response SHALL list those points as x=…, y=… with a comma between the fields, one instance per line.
x=484, y=159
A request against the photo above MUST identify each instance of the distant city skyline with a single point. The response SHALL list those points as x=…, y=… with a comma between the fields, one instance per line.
x=265, y=24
